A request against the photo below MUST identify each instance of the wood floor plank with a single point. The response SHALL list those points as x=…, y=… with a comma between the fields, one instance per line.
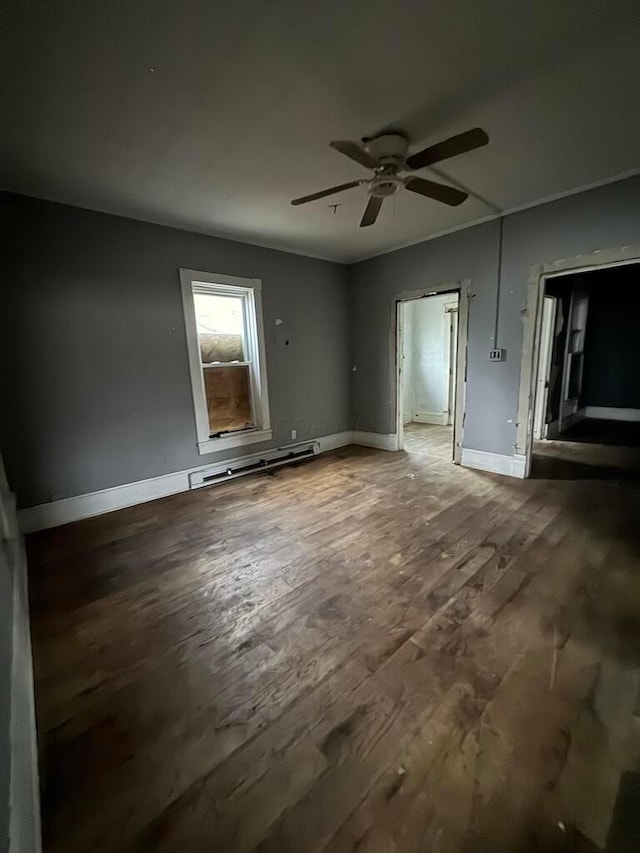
x=365, y=652
x=200, y=824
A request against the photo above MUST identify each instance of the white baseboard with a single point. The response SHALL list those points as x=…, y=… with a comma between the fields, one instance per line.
x=440, y=418
x=76, y=508
x=511, y=466
x=608, y=413
x=333, y=442
x=24, y=797
x=382, y=441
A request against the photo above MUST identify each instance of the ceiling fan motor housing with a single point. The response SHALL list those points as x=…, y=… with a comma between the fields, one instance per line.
x=389, y=148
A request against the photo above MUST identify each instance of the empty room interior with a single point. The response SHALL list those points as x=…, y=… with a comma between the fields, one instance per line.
x=320, y=427
x=426, y=358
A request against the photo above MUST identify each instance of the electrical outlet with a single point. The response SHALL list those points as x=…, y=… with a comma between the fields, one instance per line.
x=496, y=355
x=294, y=433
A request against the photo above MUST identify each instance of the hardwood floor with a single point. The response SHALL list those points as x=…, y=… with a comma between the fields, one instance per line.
x=368, y=652
x=591, y=450
x=431, y=439
x=599, y=431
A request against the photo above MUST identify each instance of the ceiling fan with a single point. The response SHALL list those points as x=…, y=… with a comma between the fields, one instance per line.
x=387, y=156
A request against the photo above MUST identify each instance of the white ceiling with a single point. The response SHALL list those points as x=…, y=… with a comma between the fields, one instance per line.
x=212, y=115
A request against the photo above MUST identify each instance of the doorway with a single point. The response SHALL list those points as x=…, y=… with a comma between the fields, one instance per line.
x=427, y=374
x=586, y=413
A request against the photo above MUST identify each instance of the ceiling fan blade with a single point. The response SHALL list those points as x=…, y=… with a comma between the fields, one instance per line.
x=451, y=147
x=371, y=211
x=305, y=198
x=440, y=192
x=354, y=152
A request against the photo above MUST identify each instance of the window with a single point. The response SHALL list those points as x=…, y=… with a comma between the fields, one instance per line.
x=225, y=339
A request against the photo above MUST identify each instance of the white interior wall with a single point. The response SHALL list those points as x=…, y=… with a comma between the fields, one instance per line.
x=408, y=392
x=427, y=359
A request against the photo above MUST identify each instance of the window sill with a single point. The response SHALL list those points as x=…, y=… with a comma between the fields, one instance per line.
x=225, y=442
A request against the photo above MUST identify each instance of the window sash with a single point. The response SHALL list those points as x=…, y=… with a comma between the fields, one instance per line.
x=249, y=343
x=249, y=346
x=245, y=376
x=211, y=338
x=249, y=290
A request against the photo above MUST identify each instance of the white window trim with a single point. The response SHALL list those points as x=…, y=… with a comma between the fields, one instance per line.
x=251, y=289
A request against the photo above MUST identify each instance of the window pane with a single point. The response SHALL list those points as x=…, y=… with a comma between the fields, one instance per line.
x=228, y=397
x=220, y=325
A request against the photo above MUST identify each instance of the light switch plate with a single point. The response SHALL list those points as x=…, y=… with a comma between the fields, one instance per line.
x=496, y=355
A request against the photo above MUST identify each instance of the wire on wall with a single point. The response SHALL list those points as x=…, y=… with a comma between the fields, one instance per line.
x=499, y=282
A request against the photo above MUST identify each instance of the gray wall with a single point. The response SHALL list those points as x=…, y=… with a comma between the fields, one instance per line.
x=95, y=382
x=606, y=217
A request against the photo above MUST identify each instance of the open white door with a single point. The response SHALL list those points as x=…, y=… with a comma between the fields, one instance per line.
x=401, y=358
x=570, y=411
x=451, y=311
x=549, y=309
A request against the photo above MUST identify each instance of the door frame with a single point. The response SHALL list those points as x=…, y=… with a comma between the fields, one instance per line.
x=538, y=275
x=547, y=339
x=452, y=360
x=396, y=347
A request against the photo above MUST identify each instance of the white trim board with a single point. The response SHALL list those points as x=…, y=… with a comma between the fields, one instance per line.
x=609, y=413
x=23, y=831
x=249, y=291
x=396, y=346
x=532, y=315
x=64, y=511
x=76, y=508
x=440, y=418
x=511, y=466
x=334, y=441
x=24, y=797
x=382, y=441
x=92, y=504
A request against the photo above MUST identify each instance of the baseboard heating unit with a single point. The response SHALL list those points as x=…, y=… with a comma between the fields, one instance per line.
x=231, y=468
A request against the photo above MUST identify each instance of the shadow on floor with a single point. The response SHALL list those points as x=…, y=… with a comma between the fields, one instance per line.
x=590, y=450
x=548, y=467
x=595, y=431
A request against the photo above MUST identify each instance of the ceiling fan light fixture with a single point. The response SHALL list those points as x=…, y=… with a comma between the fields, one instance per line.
x=386, y=154
x=384, y=185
